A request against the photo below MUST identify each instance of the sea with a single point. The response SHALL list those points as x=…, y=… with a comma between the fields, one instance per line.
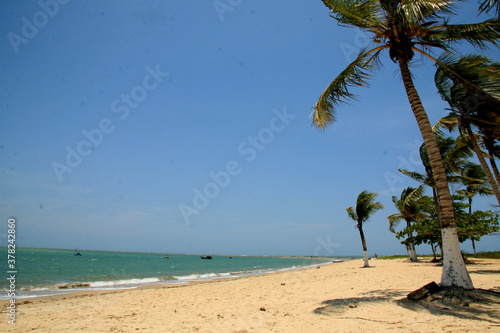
x=46, y=272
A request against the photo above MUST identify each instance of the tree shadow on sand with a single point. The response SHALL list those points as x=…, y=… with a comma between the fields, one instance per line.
x=340, y=305
x=485, y=271
x=477, y=304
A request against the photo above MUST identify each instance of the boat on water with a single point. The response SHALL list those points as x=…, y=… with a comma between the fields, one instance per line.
x=206, y=257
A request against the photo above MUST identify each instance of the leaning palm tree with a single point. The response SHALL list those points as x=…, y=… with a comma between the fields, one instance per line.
x=409, y=209
x=365, y=208
x=406, y=27
x=458, y=81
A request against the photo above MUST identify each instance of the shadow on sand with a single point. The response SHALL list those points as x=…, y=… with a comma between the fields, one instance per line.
x=477, y=304
x=340, y=305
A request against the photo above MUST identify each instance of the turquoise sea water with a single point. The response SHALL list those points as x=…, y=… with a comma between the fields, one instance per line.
x=42, y=272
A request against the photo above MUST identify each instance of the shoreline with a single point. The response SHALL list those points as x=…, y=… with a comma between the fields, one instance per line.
x=340, y=297
x=77, y=287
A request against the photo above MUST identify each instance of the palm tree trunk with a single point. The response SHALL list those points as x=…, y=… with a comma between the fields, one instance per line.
x=413, y=253
x=365, y=251
x=473, y=246
x=494, y=168
x=433, y=251
x=484, y=165
x=436, y=203
x=472, y=237
x=454, y=271
x=489, y=148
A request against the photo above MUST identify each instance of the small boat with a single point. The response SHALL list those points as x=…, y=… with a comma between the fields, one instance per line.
x=206, y=257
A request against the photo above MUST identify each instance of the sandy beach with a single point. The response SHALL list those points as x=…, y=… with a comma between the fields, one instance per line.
x=340, y=297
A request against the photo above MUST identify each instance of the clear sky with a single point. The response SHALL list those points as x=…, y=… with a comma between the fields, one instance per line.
x=183, y=126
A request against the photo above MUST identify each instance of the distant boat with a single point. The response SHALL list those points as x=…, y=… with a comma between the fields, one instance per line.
x=206, y=257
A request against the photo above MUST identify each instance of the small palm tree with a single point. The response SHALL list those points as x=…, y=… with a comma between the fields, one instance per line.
x=365, y=208
x=405, y=28
x=454, y=159
x=475, y=182
x=409, y=209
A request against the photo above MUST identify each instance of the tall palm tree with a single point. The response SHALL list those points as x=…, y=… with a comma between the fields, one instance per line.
x=408, y=206
x=403, y=28
x=471, y=85
x=365, y=208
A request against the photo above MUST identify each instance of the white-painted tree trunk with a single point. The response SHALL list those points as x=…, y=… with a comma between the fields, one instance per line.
x=366, y=259
x=413, y=253
x=454, y=271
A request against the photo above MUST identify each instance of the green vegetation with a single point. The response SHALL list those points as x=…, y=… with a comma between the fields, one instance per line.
x=489, y=255
x=401, y=256
x=482, y=255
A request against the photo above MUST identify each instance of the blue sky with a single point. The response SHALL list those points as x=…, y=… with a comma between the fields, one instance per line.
x=117, y=115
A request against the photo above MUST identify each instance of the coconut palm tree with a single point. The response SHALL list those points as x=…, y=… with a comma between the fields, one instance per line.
x=458, y=81
x=475, y=182
x=408, y=206
x=404, y=28
x=365, y=208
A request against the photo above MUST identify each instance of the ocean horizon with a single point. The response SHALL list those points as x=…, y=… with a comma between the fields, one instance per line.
x=45, y=272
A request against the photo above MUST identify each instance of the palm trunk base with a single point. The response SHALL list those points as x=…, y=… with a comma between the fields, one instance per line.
x=454, y=271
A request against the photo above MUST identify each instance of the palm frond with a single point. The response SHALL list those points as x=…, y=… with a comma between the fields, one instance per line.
x=365, y=14
x=488, y=5
x=475, y=73
x=477, y=34
x=414, y=175
x=413, y=194
x=352, y=214
x=412, y=13
x=449, y=122
x=355, y=74
x=394, y=220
